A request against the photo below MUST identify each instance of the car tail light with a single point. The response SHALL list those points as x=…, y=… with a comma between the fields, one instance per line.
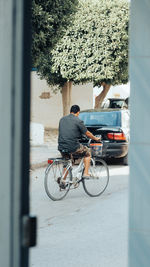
x=116, y=136
x=50, y=161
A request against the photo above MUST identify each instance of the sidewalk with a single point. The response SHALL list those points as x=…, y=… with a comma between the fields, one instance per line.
x=39, y=154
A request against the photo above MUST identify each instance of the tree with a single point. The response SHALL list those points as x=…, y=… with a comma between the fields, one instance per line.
x=49, y=21
x=93, y=49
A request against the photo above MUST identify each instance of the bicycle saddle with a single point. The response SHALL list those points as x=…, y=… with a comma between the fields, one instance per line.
x=65, y=154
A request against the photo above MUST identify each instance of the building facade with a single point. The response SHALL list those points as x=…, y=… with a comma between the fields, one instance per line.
x=46, y=106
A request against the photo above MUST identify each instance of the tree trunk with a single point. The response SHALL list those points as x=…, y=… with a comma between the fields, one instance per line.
x=66, y=97
x=99, y=99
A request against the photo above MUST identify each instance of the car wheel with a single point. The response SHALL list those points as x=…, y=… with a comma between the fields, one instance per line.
x=124, y=160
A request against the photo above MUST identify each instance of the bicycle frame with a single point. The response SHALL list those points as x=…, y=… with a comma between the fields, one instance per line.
x=76, y=172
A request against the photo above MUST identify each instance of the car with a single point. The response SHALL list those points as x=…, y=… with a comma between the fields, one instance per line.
x=112, y=125
x=116, y=103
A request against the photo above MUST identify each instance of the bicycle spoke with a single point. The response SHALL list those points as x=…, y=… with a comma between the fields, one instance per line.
x=53, y=180
x=97, y=183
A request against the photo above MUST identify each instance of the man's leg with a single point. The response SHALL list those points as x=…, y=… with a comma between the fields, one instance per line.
x=65, y=172
x=85, y=152
x=87, y=161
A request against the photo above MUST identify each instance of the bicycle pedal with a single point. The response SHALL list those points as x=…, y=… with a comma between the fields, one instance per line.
x=95, y=177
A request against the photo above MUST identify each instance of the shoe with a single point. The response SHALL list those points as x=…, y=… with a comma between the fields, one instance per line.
x=87, y=176
x=62, y=185
x=58, y=180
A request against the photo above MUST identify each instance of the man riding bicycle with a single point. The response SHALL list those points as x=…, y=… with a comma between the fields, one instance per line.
x=70, y=130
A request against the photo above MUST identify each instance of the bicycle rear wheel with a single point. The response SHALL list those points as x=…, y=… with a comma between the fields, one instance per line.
x=52, y=181
x=97, y=183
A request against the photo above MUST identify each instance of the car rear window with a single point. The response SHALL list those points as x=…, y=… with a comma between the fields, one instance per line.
x=101, y=118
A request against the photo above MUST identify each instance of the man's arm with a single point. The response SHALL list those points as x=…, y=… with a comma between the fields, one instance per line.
x=84, y=130
x=91, y=136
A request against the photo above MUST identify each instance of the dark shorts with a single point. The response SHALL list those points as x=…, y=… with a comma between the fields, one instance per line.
x=82, y=151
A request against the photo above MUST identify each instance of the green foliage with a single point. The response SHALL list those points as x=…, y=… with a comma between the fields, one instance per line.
x=49, y=20
x=94, y=48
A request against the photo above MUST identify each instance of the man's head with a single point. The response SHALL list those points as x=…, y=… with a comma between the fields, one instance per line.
x=75, y=109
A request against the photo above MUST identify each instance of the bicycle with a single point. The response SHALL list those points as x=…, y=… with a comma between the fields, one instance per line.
x=61, y=175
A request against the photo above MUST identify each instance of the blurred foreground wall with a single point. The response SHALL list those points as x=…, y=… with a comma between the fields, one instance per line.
x=139, y=196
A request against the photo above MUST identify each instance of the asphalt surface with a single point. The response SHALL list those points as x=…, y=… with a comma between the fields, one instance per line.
x=79, y=230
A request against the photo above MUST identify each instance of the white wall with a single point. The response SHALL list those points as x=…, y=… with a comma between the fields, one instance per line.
x=36, y=134
x=48, y=111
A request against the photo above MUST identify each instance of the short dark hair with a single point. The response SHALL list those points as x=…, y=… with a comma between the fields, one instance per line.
x=74, y=109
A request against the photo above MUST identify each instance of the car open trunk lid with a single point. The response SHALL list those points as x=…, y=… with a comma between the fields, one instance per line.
x=100, y=130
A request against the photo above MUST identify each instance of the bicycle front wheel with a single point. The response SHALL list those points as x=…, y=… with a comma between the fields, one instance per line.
x=97, y=183
x=52, y=182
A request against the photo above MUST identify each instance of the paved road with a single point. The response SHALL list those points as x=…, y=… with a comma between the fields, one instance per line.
x=79, y=230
